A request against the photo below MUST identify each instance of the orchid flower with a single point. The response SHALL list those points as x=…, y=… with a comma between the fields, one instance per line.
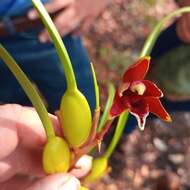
x=137, y=95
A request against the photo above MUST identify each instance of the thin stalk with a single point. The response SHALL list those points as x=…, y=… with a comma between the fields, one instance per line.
x=56, y=38
x=29, y=90
x=118, y=132
x=149, y=43
x=96, y=87
x=111, y=94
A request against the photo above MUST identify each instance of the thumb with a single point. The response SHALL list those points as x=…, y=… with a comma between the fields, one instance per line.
x=56, y=182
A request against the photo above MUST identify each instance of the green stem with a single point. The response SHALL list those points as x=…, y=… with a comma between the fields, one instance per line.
x=96, y=87
x=149, y=43
x=29, y=90
x=118, y=132
x=61, y=50
x=111, y=94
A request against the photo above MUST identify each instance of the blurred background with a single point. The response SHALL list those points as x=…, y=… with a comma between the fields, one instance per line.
x=159, y=157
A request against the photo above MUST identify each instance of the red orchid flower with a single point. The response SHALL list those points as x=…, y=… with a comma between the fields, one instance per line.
x=139, y=96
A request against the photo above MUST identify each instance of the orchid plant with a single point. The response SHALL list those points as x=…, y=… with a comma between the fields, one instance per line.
x=82, y=133
x=137, y=95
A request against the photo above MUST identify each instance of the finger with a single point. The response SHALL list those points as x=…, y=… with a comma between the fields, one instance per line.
x=51, y=7
x=21, y=126
x=87, y=23
x=8, y=132
x=18, y=123
x=83, y=166
x=22, y=161
x=56, y=182
x=187, y=18
x=65, y=23
x=84, y=26
x=180, y=29
x=183, y=29
x=17, y=182
x=30, y=129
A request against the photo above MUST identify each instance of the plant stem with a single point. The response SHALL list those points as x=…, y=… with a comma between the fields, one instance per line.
x=118, y=132
x=111, y=94
x=29, y=90
x=96, y=87
x=149, y=43
x=61, y=50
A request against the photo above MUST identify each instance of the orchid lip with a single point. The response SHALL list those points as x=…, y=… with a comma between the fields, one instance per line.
x=141, y=121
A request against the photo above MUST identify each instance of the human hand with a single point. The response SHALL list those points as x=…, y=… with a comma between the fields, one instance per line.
x=22, y=138
x=74, y=14
x=183, y=24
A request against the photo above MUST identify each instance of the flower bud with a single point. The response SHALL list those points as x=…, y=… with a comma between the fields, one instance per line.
x=75, y=116
x=56, y=156
x=99, y=168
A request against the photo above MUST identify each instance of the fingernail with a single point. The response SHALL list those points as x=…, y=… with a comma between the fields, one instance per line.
x=32, y=15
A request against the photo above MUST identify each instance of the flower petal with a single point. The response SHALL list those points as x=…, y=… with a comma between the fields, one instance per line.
x=117, y=107
x=137, y=71
x=151, y=89
x=123, y=87
x=140, y=110
x=156, y=107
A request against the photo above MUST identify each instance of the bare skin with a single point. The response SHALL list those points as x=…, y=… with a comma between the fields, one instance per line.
x=21, y=140
x=74, y=14
x=183, y=24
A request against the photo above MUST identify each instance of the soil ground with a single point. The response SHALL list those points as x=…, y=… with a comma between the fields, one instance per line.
x=159, y=157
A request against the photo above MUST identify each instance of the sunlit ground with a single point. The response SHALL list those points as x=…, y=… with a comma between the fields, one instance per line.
x=159, y=157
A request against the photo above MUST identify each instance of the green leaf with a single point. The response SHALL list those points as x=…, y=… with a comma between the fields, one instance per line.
x=29, y=90
x=117, y=134
x=56, y=38
x=111, y=94
x=96, y=87
x=149, y=43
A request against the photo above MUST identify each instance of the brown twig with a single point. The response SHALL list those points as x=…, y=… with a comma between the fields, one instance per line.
x=101, y=134
x=98, y=138
x=92, y=135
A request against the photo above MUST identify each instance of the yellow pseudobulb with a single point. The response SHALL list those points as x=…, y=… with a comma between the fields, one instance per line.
x=75, y=116
x=56, y=156
x=99, y=168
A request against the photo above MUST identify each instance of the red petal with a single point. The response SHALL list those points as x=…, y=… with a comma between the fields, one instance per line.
x=123, y=87
x=140, y=110
x=151, y=89
x=155, y=107
x=117, y=107
x=137, y=71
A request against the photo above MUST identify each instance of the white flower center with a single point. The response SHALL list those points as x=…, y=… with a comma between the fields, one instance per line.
x=138, y=87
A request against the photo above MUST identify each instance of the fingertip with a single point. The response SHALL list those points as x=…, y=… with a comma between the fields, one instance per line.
x=72, y=183
x=57, y=182
x=32, y=14
x=43, y=37
x=83, y=166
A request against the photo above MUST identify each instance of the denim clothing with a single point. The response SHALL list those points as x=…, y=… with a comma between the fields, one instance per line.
x=15, y=7
x=41, y=64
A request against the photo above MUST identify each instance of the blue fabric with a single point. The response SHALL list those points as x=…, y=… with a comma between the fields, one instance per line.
x=15, y=7
x=167, y=41
x=40, y=62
